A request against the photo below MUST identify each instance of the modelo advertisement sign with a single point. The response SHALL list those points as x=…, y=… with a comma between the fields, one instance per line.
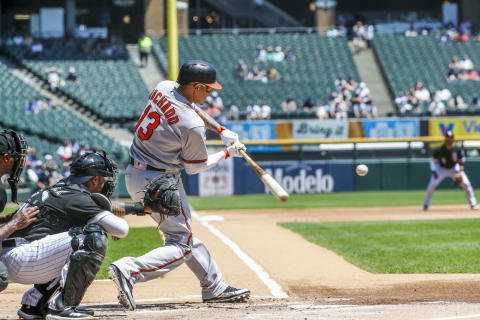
x=296, y=176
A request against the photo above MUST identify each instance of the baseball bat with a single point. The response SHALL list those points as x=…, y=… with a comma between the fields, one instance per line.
x=272, y=185
x=267, y=179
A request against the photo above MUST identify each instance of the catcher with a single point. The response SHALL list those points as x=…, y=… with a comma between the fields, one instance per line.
x=449, y=161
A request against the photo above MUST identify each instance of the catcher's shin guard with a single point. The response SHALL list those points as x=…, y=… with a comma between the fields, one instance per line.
x=84, y=264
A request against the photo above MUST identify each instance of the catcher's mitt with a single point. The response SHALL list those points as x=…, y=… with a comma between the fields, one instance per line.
x=458, y=178
x=162, y=196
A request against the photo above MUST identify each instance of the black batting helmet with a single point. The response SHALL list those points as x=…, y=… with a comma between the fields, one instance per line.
x=92, y=164
x=198, y=71
x=14, y=144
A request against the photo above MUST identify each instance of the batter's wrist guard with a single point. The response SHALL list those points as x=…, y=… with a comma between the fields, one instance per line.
x=219, y=130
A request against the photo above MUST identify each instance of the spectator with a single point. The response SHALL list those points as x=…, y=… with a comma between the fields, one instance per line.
x=466, y=64
x=370, y=34
x=437, y=108
x=443, y=94
x=270, y=54
x=475, y=102
x=473, y=75
x=144, y=47
x=37, y=49
x=363, y=91
x=308, y=105
x=53, y=77
x=266, y=112
x=370, y=110
x=72, y=75
x=457, y=102
x=351, y=84
x=254, y=111
x=411, y=32
x=241, y=70
x=272, y=73
x=31, y=107
x=421, y=94
x=339, y=111
x=289, y=105
x=260, y=54
x=278, y=55
x=359, y=37
x=17, y=40
x=256, y=74
x=322, y=112
x=65, y=151
x=289, y=56
x=233, y=112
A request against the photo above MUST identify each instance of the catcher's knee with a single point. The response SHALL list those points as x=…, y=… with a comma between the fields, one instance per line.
x=85, y=263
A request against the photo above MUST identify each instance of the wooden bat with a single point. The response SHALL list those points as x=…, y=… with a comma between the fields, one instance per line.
x=267, y=179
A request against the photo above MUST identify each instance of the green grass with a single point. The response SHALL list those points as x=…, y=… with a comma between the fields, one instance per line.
x=331, y=200
x=138, y=242
x=439, y=246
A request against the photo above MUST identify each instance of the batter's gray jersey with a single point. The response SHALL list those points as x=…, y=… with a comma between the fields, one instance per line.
x=169, y=131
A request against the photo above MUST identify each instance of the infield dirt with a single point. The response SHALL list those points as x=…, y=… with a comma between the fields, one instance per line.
x=319, y=283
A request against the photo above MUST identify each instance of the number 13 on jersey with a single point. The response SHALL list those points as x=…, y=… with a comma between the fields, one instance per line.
x=145, y=128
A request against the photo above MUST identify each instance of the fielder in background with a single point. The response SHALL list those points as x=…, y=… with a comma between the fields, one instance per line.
x=170, y=137
x=13, y=150
x=62, y=251
x=449, y=161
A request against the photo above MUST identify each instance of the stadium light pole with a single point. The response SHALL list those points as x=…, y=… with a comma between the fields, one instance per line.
x=172, y=39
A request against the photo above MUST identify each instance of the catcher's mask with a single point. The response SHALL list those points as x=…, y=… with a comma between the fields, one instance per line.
x=93, y=164
x=16, y=146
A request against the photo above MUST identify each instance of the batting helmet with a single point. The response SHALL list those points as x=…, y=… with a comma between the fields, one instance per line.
x=14, y=144
x=198, y=71
x=93, y=164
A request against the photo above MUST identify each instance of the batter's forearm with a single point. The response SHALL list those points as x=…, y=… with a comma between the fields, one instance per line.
x=123, y=208
x=210, y=123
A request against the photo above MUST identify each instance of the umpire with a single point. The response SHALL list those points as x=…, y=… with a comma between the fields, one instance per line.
x=13, y=150
x=449, y=161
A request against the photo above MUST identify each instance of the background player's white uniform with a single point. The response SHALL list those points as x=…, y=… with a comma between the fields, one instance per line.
x=170, y=145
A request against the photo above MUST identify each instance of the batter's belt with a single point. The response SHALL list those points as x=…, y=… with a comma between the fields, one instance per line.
x=138, y=164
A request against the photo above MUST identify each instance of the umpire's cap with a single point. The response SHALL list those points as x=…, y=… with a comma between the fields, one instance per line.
x=198, y=71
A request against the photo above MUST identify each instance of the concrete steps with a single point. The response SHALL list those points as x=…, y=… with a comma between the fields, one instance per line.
x=371, y=73
x=151, y=74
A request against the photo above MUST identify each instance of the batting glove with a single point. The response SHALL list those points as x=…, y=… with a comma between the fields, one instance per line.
x=233, y=150
x=228, y=137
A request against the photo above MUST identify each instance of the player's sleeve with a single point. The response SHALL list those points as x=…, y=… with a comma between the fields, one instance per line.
x=194, y=150
x=82, y=209
x=111, y=223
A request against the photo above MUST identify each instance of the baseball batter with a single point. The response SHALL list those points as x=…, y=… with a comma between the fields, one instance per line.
x=449, y=161
x=13, y=149
x=65, y=247
x=170, y=137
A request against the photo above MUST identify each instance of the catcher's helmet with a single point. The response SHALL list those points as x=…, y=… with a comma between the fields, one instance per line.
x=14, y=144
x=198, y=71
x=92, y=164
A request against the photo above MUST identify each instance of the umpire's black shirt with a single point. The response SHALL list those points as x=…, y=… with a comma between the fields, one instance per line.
x=62, y=206
x=448, y=158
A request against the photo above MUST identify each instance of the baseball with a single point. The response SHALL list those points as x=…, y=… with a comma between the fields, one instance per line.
x=362, y=170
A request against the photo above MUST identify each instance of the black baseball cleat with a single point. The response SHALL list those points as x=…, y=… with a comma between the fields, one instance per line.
x=29, y=313
x=231, y=295
x=125, y=296
x=67, y=313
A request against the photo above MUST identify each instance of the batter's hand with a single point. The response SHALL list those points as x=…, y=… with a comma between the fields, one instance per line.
x=25, y=217
x=228, y=137
x=435, y=174
x=234, y=149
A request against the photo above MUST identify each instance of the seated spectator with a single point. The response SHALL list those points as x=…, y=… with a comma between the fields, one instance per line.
x=217, y=100
x=289, y=105
x=457, y=102
x=17, y=40
x=31, y=107
x=443, y=94
x=339, y=111
x=473, y=75
x=272, y=73
x=256, y=74
x=37, y=49
x=466, y=64
x=241, y=70
x=370, y=110
x=53, y=78
x=254, y=111
x=322, y=112
x=72, y=75
x=270, y=54
x=65, y=151
x=278, y=55
x=475, y=102
x=266, y=112
x=351, y=84
x=260, y=54
x=363, y=91
x=411, y=32
x=339, y=84
x=437, y=109
x=289, y=56
x=308, y=105
x=233, y=112
x=421, y=94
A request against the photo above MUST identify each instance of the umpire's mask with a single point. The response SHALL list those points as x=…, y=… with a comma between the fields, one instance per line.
x=16, y=146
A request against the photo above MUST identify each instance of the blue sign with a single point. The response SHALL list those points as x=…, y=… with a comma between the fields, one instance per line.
x=296, y=176
x=391, y=128
x=257, y=130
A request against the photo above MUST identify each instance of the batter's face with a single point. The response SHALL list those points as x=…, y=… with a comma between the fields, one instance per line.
x=200, y=92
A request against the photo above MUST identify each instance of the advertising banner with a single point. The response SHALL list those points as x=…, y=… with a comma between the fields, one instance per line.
x=297, y=177
x=217, y=181
x=262, y=130
x=459, y=126
x=320, y=129
x=391, y=128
